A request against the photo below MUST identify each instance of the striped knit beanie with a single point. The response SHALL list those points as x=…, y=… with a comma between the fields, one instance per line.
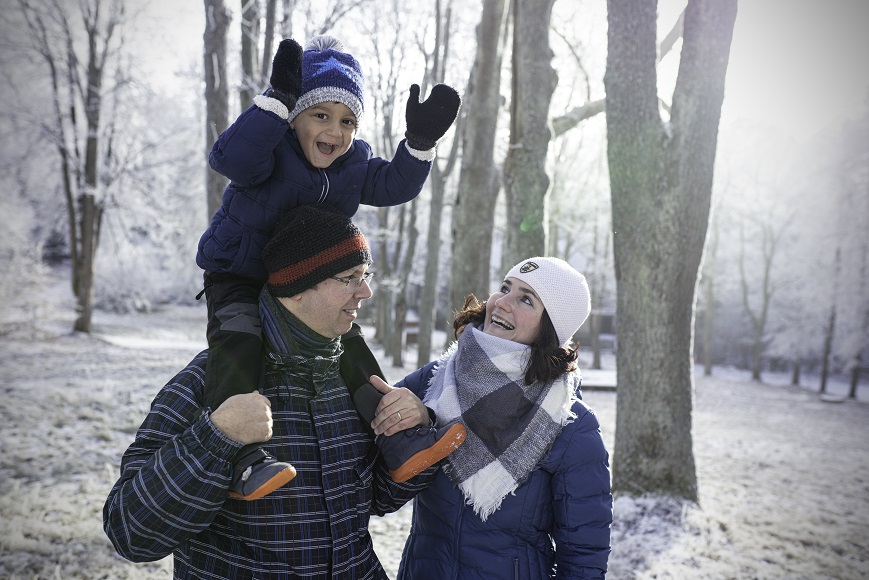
x=330, y=75
x=310, y=244
x=562, y=290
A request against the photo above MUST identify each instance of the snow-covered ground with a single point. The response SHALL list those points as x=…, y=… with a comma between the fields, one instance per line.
x=783, y=475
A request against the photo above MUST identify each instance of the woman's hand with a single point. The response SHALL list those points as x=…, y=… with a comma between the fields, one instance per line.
x=399, y=409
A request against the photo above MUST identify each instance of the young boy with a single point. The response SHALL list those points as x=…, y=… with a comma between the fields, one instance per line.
x=294, y=146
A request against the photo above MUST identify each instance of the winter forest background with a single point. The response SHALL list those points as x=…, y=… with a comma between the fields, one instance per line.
x=105, y=143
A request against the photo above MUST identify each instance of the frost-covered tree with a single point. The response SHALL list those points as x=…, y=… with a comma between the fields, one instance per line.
x=853, y=341
x=758, y=285
x=154, y=215
x=79, y=49
x=843, y=170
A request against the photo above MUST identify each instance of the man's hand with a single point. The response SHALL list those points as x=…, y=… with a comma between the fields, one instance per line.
x=245, y=418
x=399, y=409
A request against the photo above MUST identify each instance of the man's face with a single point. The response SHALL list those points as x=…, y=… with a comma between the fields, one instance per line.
x=330, y=307
x=325, y=131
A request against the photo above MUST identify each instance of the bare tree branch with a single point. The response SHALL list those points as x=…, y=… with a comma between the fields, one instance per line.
x=341, y=10
x=672, y=36
x=578, y=58
x=574, y=117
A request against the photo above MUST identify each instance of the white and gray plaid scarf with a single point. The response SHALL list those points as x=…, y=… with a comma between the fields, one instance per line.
x=480, y=380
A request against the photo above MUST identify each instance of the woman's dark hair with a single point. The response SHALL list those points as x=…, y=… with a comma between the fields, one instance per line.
x=548, y=361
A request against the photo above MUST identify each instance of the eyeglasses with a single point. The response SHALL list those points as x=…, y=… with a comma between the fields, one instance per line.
x=357, y=281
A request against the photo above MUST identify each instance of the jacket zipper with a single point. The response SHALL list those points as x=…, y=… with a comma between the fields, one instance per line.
x=325, y=191
x=516, y=568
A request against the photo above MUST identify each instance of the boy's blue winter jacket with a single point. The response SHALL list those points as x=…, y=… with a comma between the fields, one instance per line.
x=269, y=175
x=556, y=524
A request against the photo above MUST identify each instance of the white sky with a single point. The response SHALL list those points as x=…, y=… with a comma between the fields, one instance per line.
x=798, y=63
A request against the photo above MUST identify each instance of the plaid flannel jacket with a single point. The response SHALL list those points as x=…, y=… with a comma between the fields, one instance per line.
x=172, y=493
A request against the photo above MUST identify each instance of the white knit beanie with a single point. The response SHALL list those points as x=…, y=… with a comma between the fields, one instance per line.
x=563, y=291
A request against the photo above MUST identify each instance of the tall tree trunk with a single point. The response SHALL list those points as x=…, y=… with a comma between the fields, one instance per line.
x=428, y=295
x=597, y=284
x=830, y=331
x=90, y=199
x=526, y=182
x=595, y=340
x=474, y=209
x=217, y=19
x=84, y=179
x=90, y=218
x=401, y=305
x=428, y=305
x=828, y=348
x=385, y=295
x=855, y=377
x=857, y=362
x=708, y=322
x=661, y=182
x=709, y=298
x=760, y=315
x=250, y=70
x=285, y=23
x=268, y=44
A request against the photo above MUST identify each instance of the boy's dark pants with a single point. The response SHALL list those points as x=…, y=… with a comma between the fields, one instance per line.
x=235, y=358
x=356, y=365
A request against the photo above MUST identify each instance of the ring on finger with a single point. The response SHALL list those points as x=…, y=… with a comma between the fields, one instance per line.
x=399, y=415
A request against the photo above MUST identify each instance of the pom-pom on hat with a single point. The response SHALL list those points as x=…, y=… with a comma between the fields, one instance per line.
x=330, y=75
x=563, y=291
x=310, y=244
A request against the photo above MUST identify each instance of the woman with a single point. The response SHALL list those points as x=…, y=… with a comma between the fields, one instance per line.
x=528, y=494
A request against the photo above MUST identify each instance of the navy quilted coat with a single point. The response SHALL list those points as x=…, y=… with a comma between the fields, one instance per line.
x=269, y=175
x=556, y=525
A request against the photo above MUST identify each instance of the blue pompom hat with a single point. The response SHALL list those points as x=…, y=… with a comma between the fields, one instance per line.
x=330, y=75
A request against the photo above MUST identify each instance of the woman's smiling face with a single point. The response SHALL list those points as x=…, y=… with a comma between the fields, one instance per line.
x=514, y=312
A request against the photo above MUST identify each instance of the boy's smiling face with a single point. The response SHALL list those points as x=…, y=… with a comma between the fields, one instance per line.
x=325, y=131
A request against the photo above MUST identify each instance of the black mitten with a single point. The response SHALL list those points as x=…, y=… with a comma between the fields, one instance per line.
x=286, y=79
x=429, y=120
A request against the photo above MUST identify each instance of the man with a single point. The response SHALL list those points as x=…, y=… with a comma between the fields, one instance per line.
x=172, y=493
